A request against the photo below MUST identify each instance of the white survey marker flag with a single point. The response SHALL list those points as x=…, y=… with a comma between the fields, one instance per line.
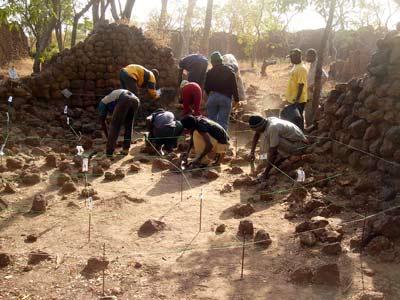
x=85, y=164
x=80, y=150
x=13, y=73
x=301, y=175
x=65, y=109
x=10, y=99
x=67, y=120
x=89, y=203
x=2, y=150
x=66, y=93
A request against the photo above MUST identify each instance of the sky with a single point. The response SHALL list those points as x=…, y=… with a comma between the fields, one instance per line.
x=308, y=19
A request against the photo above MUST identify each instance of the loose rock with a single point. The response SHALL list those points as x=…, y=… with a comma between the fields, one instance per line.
x=30, y=178
x=150, y=227
x=161, y=164
x=119, y=173
x=332, y=249
x=378, y=244
x=211, y=175
x=39, y=203
x=243, y=210
x=68, y=187
x=246, y=228
x=302, y=275
x=262, y=239
x=51, y=160
x=220, y=229
x=134, y=168
x=14, y=164
x=109, y=176
x=37, y=257
x=5, y=260
x=94, y=265
x=10, y=188
x=327, y=275
x=308, y=239
x=63, y=178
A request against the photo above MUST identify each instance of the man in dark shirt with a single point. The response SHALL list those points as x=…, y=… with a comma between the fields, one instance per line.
x=123, y=105
x=207, y=137
x=196, y=65
x=220, y=87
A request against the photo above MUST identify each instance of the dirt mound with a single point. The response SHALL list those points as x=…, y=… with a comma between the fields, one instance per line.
x=150, y=227
x=94, y=265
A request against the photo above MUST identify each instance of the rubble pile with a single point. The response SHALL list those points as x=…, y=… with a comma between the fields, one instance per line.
x=364, y=114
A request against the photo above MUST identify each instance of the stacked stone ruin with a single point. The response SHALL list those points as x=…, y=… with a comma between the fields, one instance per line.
x=364, y=114
x=90, y=69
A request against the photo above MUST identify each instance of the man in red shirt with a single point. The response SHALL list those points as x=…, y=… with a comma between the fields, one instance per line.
x=191, y=95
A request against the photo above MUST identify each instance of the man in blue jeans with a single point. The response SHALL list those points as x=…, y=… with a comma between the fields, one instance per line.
x=221, y=88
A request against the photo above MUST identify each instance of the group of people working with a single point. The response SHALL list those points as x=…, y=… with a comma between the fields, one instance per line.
x=209, y=135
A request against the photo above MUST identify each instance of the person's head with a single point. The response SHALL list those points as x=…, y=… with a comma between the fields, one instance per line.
x=155, y=73
x=183, y=83
x=216, y=58
x=295, y=56
x=257, y=123
x=189, y=122
x=311, y=55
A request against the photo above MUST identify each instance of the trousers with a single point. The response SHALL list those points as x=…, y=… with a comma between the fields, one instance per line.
x=219, y=109
x=124, y=113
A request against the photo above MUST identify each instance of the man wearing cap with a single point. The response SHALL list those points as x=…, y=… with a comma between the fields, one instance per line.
x=297, y=86
x=282, y=139
x=221, y=89
x=133, y=77
x=123, y=106
x=164, y=130
x=196, y=66
x=312, y=58
x=191, y=95
x=207, y=138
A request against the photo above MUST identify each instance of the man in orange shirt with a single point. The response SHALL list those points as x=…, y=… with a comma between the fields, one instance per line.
x=133, y=77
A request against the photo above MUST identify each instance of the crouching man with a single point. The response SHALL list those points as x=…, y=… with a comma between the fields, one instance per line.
x=282, y=139
x=164, y=130
x=123, y=106
x=207, y=138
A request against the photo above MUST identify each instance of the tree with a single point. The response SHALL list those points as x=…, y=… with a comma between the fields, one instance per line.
x=187, y=26
x=207, y=27
x=163, y=15
x=114, y=11
x=95, y=12
x=76, y=20
x=128, y=9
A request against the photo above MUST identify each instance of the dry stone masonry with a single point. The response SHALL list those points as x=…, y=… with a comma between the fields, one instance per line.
x=364, y=114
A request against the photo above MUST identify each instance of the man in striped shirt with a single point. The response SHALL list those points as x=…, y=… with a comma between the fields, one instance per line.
x=123, y=106
x=133, y=77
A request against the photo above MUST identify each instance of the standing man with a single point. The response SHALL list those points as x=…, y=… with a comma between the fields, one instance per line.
x=230, y=60
x=282, y=139
x=123, y=106
x=312, y=58
x=297, y=86
x=207, y=137
x=221, y=88
x=191, y=95
x=133, y=77
x=164, y=130
x=196, y=66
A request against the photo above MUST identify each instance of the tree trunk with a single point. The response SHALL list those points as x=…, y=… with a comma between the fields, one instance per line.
x=320, y=62
x=128, y=9
x=78, y=16
x=187, y=26
x=163, y=15
x=58, y=31
x=114, y=11
x=95, y=12
x=207, y=27
x=43, y=42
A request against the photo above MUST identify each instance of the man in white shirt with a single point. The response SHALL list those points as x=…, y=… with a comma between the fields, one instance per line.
x=312, y=58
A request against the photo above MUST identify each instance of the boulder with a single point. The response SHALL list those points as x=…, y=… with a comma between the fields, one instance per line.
x=246, y=228
x=94, y=265
x=63, y=178
x=211, y=175
x=13, y=164
x=37, y=257
x=220, y=229
x=150, y=227
x=302, y=275
x=51, y=160
x=39, y=203
x=332, y=249
x=377, y=245
x=308, y=239
x=312, y=204
x=5, y=260
x=68, y=187
x=243, y=210
x=262, y=239
x=357, y=129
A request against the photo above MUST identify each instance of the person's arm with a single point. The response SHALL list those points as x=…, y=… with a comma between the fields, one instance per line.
x=151, y=89
x=103, y=117
x=149, y=123
x=207, y=84
x=256, y=138
x=207, y=148
x=180, y=76
x=185, y=102
x=235, y=90
x=299, y=92
x=186, y=156
x=272, y=156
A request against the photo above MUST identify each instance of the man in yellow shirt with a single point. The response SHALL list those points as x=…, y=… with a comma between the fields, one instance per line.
x=297, y=87
x=133, y=77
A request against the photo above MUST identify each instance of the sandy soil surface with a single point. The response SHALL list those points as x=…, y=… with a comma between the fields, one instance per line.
x=184, y=261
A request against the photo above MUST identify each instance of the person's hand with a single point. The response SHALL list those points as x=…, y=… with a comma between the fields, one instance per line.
x=235, y=105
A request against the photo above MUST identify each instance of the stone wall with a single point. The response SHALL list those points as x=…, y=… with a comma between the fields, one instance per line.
x=13, y=45
x=90, y=69
x=365, y=113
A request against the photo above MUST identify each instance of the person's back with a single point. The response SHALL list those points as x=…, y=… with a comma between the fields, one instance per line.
x=213, y=129
x=163, y=119
x=196, y=65
x=191, y=95
x=221, y=79
x=284, y=129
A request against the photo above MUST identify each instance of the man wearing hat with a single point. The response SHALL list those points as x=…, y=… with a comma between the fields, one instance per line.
x=296, y=93
x=282, y=139
x=207, y=138
x=133, y=77
x=221, y=89
x=191, y=95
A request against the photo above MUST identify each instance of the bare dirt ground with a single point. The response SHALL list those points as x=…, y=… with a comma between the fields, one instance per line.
x=183, y=261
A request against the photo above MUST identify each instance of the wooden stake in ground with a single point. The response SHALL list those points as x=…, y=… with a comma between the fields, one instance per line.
x=244, y=246
x=201, y=209
x=104, y=259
